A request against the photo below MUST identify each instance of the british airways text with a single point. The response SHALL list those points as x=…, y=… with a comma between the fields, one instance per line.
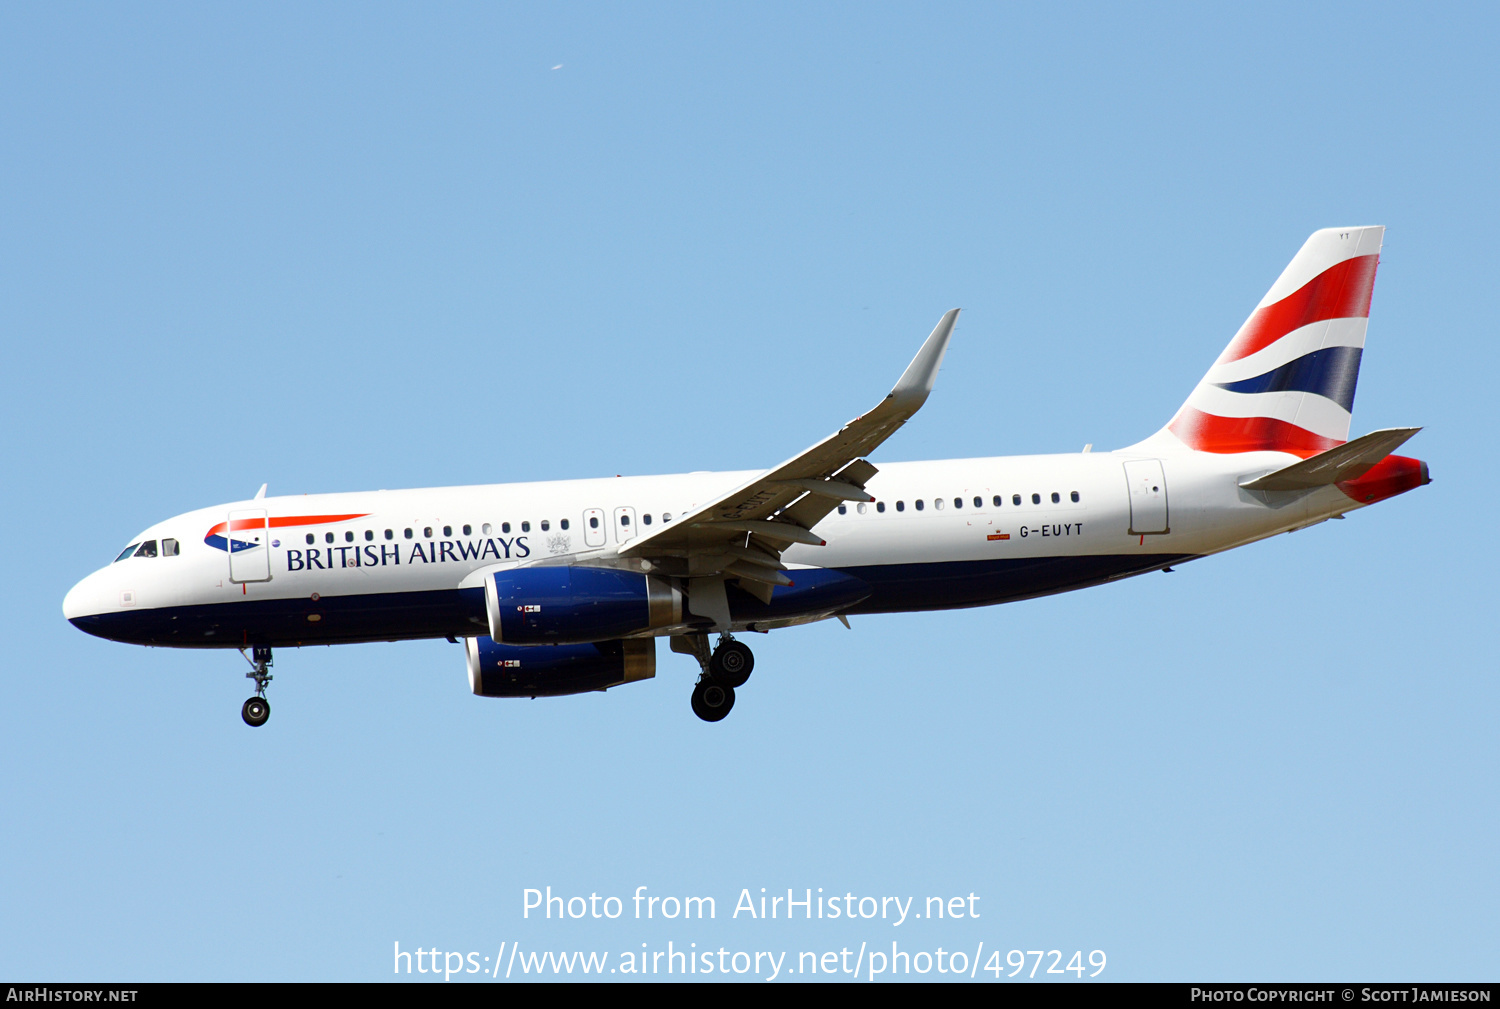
x=371, y=555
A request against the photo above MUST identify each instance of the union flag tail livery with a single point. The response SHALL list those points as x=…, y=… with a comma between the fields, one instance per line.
x=1286, y=381
x=564, y=587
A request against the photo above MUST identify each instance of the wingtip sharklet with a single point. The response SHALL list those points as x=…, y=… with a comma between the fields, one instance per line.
x=827, y=467
x=917, y=380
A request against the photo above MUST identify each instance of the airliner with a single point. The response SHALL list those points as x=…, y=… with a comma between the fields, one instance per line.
x=563, y=587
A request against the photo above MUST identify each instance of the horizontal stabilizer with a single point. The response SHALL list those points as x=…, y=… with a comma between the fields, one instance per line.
x=1346, y=462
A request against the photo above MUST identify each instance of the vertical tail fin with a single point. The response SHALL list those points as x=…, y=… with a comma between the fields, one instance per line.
x=1286, y=381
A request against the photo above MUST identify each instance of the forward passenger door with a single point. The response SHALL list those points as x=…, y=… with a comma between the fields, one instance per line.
x=248, y=535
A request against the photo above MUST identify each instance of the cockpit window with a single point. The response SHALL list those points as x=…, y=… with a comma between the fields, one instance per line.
x=147, y=549
x=127, y=552
x=169, y=548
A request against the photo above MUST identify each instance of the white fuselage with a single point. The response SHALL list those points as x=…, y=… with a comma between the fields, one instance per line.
x=385, y=565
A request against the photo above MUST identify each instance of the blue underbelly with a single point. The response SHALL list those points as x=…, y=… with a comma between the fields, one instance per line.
x=396, y=616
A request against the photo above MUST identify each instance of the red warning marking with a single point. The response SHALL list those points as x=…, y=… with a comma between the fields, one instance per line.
x=998, y=536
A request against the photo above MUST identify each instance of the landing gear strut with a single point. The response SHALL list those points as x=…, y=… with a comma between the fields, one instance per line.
x=728, y=667
x=257, y=709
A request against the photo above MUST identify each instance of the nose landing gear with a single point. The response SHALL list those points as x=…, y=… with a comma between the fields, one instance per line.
x=257, y=709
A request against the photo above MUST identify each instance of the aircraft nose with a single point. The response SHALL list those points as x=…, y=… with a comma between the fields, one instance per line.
x=88, y=597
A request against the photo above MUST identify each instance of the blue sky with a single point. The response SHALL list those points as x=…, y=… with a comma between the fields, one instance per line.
x=339, y=247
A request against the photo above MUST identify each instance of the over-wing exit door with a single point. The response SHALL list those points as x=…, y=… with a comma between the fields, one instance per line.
x=624, y=524
x=593, y=527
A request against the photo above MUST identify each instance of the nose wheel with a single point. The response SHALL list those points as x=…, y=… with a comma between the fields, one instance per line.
x=257, y=709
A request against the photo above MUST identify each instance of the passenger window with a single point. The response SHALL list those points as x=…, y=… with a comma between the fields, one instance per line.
x=958, y=502
x=862, y=508
x=646, y=518
x=389, y=535
x=880, y=507
x=998, y=500
x=468, y=530
x=328, y=537
x=1075, y=497
x=408, y=532
x=147, y=549
x=526, y=526
x=625, y=519
x=901, y=506
x=593, y=522
x=169, y=548
x=127, y=552
x=1056, y=498
x=1015, y=499
x=505, y=527
x=979, y=502
x=311, y=539
x=486, y=529
x=349, y=536
x=843, y=509
x=447, y=532
x=427, y=531
x=369, y=535
x=1036, y=499
x=546, y=525
x=937, y=503
x=919, y=504
x=564, y=522
x=666, y=516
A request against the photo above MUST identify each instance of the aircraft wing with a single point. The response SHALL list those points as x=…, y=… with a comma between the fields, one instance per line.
x=743, y=533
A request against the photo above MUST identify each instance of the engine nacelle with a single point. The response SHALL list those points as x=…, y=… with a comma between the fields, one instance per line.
x=497, y=670
x=570, y=605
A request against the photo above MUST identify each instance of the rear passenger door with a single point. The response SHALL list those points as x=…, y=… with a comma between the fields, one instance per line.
x=1148, y=496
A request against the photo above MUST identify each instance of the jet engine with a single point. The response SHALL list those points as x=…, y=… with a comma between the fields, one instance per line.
x=499, y=670
x=573, y=605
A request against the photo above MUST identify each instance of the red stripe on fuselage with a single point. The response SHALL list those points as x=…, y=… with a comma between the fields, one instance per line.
x=1342, y=291
x=1207, y=432
x=283, y=521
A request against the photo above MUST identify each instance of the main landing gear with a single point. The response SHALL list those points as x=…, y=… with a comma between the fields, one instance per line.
x=257, y=709
x=728, y=667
